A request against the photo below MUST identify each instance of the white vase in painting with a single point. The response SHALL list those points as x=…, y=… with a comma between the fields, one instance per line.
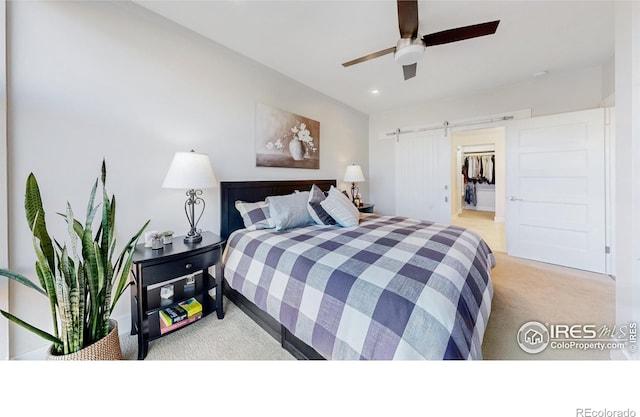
x=296, y=148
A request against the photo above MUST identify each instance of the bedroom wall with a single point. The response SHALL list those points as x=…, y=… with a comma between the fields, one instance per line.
x=93, y=80
x=555, y=93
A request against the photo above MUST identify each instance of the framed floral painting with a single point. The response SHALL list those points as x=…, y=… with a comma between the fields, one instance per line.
x=286, y=139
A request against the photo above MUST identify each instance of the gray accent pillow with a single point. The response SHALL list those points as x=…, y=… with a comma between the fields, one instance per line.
x=318, y=214
x=289, y=211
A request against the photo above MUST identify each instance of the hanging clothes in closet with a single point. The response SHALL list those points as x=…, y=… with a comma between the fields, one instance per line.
x=477, y=168
x=470, y=196
x=480, y=168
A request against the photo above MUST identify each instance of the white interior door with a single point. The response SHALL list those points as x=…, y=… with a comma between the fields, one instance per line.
x=555, y=189
x=422, y=176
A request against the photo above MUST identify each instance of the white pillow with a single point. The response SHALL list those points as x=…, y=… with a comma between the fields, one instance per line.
x=338, y=206
x=289, y=211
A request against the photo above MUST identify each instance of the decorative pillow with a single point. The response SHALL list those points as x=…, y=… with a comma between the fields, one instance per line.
x=289, y=211
x=318, y=214
x=338, y=206
x=255, y=215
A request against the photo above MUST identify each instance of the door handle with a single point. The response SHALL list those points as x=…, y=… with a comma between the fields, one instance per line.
x=513, y=198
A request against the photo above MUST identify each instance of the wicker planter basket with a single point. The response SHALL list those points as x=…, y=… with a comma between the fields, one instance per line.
x=105, y=349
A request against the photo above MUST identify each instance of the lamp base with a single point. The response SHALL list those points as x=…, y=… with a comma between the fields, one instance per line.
x=193, y=239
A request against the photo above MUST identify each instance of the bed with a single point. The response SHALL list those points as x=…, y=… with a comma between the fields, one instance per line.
x=389, y=288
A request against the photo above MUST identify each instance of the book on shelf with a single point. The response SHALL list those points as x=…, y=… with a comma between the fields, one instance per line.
x=164, y=328
x=192, y=306
x=172, y=315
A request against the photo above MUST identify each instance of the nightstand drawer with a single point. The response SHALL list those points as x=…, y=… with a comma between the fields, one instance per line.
x=183, y=266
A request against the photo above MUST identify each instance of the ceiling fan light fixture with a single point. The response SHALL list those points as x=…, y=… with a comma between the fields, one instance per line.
x=409, y=51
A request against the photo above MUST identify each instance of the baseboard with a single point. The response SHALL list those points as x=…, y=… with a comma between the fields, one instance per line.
x=498, y=219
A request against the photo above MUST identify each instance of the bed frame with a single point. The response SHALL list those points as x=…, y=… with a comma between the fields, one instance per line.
x=253, y=191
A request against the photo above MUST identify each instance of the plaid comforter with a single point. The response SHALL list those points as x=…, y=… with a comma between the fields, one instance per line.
x=390, y=288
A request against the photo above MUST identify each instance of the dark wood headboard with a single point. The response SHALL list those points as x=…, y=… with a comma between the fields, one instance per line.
x=253, y=191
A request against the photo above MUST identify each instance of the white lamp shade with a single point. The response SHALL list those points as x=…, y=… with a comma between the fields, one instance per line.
x=190, y=170
x=353, y=174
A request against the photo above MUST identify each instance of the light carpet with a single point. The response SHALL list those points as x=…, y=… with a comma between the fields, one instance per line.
x=523, y=291
x=235, y=337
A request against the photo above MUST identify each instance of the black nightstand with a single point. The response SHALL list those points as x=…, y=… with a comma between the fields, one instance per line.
x=173, y=264
x=366, y=208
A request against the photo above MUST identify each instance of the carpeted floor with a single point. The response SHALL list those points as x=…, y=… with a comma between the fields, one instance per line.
x=526, y=290
x=523, y=291
x=236, y=337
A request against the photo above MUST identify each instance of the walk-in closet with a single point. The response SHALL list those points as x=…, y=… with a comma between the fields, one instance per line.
x=478, y=183
x=477, y=172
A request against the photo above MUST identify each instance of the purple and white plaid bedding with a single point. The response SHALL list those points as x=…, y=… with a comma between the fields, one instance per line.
x=390, y=288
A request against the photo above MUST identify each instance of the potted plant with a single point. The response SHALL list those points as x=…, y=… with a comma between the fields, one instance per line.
x=156, y=241
x=167, y=237
x=80, y=278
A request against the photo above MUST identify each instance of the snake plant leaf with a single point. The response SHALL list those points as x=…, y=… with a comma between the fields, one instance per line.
x=107, y=235
x=73, y=236
x=22, y=280
x=104, y=171
x=47, y=278
x=125, y=269
x=123, y=265
x=36, y=218
x=92, y=196
x=31, y=328
x=51, y=296
x=77, y=226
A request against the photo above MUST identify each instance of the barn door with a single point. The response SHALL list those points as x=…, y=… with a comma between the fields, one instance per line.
x=423, y=176
x=555, y=189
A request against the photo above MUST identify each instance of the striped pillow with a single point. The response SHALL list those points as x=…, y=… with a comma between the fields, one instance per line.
x=318, y=214
x=338, y=206
x=255, y=215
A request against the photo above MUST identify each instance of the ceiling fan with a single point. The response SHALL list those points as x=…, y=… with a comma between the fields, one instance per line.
x=410, y=47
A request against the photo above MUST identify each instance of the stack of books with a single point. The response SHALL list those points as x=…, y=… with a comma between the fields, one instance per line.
x=180, y=315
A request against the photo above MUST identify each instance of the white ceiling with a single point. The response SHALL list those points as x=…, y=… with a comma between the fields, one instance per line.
x=309, y=40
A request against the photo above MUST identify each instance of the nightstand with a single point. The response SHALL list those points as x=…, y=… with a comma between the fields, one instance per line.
x=366, y=208
x=174, y=264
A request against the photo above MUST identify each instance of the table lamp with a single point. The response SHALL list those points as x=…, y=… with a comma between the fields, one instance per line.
x=354, y=175
x=191, y=171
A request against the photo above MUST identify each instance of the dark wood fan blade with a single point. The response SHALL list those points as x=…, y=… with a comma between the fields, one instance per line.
x=370, y=56
x=461, y=33
x=409, y=71
x=408, y=18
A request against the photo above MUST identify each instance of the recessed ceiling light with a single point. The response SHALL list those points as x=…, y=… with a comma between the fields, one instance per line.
x=539, y=74
x=375, y=91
